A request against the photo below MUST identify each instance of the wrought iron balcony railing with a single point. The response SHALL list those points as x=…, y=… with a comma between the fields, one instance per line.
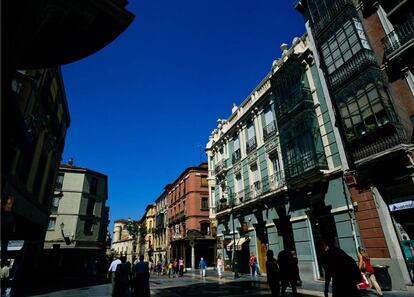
x=251, y=145
x=269, y=130
x=256, y=189
x=379, y=144
x=304, y=163
x=220, y=166
x=402, y=35
x=360, y=61
x=236, y=156
x=297, y=102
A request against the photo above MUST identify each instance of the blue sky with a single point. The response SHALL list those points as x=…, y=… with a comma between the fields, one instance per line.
x=142, y=107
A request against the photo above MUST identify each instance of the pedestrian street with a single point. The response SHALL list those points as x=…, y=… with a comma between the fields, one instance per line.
x=191, y=285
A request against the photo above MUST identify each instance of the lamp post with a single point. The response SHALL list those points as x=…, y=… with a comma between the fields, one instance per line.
x=223, y=200
x=67, y=239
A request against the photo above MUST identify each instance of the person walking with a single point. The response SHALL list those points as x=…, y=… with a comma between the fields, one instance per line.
x=175, y=268
x=296, y=268
x=342, y=270
x=364, y=264
x=111, y=271
x=181, y=266
x=170, y=269
x=4, y=277
x=122, y=279
x=273, y=274
x=202, y=266
x=141, y=278
x=219, y=266
x=287, y=272
x=252, y=265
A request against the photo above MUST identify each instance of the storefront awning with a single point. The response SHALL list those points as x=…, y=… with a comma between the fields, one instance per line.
x=240, y=242
x=229, y=247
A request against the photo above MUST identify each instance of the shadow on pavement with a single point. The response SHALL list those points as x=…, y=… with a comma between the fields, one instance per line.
x=48, y=286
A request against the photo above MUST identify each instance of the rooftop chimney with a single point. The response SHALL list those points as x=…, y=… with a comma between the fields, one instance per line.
x=70, y=162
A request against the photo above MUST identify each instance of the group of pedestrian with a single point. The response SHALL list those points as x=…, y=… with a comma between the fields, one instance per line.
x=126, y=277
x=340, y=269
x=282, y=272
x=175, y=267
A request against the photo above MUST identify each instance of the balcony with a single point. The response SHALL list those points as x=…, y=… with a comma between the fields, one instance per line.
x=287, y=108
x=305, y=163
x=220, y=166
x=335, y=8
x=399, y=39
x=236, y=156
x=251, y=145
x=273, y=183
x=256, y=189
x=359, y=62
x=269, y=130
x=381, y=141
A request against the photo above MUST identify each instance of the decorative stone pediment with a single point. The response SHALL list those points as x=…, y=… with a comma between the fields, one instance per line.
x=252, y=158
x=271, y=147
x=237, y=167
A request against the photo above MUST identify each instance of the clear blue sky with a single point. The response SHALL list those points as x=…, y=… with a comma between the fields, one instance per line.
x=142, y=107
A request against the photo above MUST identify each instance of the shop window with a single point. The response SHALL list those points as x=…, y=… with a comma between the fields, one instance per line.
x=52, y=223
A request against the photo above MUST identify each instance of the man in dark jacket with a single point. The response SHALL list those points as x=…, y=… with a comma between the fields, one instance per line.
x=288, y=271
x=273, y=275
x=343, y=271
x=141, y=278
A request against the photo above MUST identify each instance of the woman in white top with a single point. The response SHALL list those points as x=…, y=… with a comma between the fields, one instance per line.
x=219, y=266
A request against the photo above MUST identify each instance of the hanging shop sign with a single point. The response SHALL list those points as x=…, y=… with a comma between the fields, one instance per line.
x=402, y=205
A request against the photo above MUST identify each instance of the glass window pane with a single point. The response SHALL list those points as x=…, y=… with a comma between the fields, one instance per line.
x=347, y=55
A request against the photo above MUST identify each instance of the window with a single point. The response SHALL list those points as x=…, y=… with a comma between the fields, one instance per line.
x=276, y=168
x=59, y=180
x=255, y=177
x=204, y=203
x=205, y=228
x=204, y=182
x=270, y=126
x=239, y=182
x=93, y=186
x=55, y=203
x=236, y=149
x=251, y=138
x=87, y=227
x=343, y=44
x=318, y=8
x=364, y=112
x=52, y=223
x=91, y=207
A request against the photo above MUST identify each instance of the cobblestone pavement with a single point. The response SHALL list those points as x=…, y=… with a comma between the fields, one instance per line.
x=191, y=285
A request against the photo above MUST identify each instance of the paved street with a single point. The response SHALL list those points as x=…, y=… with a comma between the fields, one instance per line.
x=191, y=285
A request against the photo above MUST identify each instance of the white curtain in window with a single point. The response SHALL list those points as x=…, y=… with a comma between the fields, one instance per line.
x=250, y=132
x=268, y=117
x=236, y=143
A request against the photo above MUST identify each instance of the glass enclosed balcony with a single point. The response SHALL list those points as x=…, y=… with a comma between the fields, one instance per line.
x=297, y=102
x=354, y=65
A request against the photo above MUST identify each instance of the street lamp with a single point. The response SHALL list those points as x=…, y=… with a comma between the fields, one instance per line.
x=223, y=200
x=67, y=239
